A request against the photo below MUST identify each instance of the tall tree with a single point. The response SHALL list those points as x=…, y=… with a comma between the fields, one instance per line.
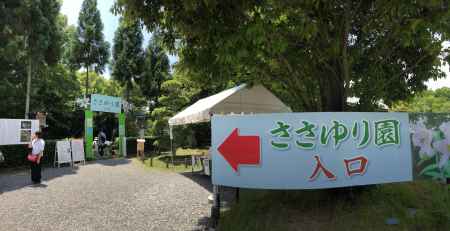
x=90, y=50
x=313, y=54
x=127, y=54
x=43, y=38
x=156, y=69
x=30, y=33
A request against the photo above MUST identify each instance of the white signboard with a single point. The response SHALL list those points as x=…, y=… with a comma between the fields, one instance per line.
x=17, y=131
x=77, y=150
x=310, y=150
x=105, y=103
x=63, y=150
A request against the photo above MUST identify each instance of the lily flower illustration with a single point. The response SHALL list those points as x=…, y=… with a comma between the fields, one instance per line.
x=422, y=138
x=443, y=146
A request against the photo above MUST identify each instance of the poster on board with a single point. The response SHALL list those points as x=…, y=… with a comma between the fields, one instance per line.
x=17, y=131
x=310, y=150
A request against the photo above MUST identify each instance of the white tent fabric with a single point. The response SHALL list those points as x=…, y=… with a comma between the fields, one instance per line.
x=240, y=99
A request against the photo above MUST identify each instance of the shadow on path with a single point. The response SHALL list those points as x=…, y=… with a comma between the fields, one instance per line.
x=227, y=194
x=200, y=179
x=111, y=162
x=17, y=180
x=20, y=179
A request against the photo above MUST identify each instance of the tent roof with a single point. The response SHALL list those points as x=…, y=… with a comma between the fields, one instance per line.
x=239, y=99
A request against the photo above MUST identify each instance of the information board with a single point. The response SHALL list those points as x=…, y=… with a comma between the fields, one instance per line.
x=17, y=131
x=310, y=150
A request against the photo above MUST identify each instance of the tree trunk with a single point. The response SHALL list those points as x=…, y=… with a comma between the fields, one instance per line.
x=27, y=101
x=345, y=62
x=127, y=92
x=87, y=82
x=332, y=94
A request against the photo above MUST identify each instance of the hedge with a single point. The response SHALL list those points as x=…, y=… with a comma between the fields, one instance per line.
x=15, y=155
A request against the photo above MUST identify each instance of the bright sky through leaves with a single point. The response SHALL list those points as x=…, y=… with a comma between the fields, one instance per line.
x=71, y=8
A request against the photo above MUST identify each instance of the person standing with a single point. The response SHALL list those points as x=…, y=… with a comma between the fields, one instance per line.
x=101, y=142
x=37, y=146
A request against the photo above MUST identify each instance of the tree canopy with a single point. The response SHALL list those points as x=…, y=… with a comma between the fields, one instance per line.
x=90, y=50
x=128, y=56
x=156, y=69
x=428, y=101
x=313, y=54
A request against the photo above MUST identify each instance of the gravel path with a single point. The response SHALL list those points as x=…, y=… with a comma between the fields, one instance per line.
x=106, y=195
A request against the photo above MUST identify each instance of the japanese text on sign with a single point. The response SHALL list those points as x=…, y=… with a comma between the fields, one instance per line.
x=311, y=150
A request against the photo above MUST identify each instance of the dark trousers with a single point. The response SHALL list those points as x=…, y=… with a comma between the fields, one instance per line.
x=35, y=172
x=101, y=149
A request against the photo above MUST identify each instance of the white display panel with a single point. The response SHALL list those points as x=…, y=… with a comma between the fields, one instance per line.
x=77, y=150
x=64, y=152
x=17, y=131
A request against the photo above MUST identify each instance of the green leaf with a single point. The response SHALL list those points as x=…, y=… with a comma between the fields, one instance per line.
x=434, y=175
x=447, y=170
x=429, y=168
x=421, y=161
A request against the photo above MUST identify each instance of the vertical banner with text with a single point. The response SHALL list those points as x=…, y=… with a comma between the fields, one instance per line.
x=88, y=134
x=122, y=142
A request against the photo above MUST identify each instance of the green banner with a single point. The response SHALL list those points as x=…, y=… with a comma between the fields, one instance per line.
x=88, y=134
x=122, y=144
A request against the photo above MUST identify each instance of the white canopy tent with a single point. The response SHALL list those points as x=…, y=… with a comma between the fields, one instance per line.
x=238, y=100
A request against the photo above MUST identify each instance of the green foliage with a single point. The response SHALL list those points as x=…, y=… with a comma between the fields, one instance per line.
x=99, y=84
x=89, y=49
x=43, y=30
x=156, y=69
x=127, y=55
x=428, y=101
x=313, y=54
x=173, y=99
x=33, y=33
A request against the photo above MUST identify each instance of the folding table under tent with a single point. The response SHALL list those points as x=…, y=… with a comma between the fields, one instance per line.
x=238, y=100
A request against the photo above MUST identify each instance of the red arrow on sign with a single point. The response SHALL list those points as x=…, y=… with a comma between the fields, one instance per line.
x=240, y=149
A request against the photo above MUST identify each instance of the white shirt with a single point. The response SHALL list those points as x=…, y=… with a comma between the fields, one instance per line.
x=38, y=146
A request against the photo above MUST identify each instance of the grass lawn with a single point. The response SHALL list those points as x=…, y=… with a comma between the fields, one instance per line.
x=164, y=162
x=421, y=205
x=191, y=151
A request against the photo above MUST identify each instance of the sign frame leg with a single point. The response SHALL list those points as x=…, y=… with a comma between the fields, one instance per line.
x=215, y=209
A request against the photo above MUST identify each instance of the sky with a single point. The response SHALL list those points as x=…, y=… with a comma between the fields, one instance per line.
x=71, y=9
